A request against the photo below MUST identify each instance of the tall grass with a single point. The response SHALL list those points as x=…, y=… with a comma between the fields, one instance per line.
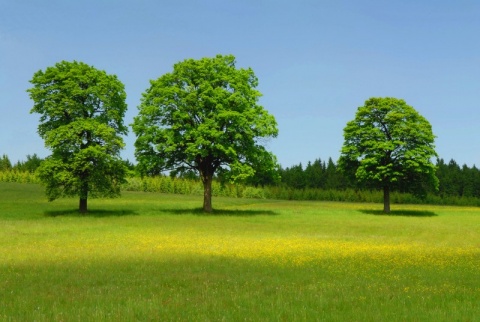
x=151, y=257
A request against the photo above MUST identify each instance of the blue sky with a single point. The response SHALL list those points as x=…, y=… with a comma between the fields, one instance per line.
x=316, y=61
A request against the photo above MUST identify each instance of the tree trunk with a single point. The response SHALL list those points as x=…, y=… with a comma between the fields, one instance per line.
x=83, y=197
x=386, y=199
x=207, y=193
x=83, y=205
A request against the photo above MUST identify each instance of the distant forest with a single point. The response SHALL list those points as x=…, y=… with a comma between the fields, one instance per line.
x=455, y=180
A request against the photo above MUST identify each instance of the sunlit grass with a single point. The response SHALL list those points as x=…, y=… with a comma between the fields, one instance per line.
x=152, y=257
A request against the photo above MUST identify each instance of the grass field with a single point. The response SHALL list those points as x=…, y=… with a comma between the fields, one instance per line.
x=156, y=257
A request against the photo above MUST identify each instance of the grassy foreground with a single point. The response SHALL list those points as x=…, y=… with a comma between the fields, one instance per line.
x=155, y=257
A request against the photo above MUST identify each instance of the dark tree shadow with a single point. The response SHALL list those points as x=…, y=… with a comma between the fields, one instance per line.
x=91, y=213
x=222, y=212
x=404, y=213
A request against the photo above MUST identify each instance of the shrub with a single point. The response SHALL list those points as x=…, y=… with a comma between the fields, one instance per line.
x=253, y=193
x=18, y=176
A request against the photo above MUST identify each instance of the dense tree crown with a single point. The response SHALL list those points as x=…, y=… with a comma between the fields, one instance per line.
x=81, y=119
x=204, y=116
x=389, y=143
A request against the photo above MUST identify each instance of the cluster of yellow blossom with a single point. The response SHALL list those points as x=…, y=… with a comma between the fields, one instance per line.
x=276, y=250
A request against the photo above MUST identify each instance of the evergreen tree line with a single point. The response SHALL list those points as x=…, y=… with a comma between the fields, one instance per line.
x=454, y=180
x=29, y=165
x=296, y=182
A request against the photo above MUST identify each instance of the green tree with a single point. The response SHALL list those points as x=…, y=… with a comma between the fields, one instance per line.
x=30, y=165
x=296, y=176
x=333, y=178
x=204, y=116
x=314, y=174
x=5, y=163
x=389, y=143
x=455, y=184
x=267, y=171
x=81, y=121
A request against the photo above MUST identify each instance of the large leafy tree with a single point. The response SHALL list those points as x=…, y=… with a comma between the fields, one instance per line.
x=389, y=144
x=81, y=120
x=204, y=116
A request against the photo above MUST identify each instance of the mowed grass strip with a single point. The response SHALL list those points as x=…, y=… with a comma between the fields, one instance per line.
x=155, y=257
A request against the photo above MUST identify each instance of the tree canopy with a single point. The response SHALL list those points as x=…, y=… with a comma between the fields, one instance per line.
x=204, y=116
x=81, y=121
x=387, y=144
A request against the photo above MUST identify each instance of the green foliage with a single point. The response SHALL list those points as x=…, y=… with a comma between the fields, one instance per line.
x=164, y=184
x=204, y=116
x=295, y=177
x=5, y=163
x=81, y=119
x=252, y=192
x=30, y=165
x=18, y=176
x=458, y=181
x=267, y=171
x=316, y=175
x=389, y=144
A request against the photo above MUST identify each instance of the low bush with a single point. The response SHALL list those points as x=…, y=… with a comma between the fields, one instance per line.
x=18, y=176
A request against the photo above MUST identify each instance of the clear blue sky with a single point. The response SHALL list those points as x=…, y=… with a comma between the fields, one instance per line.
x=316, y=61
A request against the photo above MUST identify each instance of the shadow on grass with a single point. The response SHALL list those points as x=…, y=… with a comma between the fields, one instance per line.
x=91, y=213
x=222, y=212
x=404, y=213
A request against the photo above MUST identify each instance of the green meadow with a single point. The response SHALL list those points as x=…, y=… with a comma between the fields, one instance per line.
x=158, y=257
